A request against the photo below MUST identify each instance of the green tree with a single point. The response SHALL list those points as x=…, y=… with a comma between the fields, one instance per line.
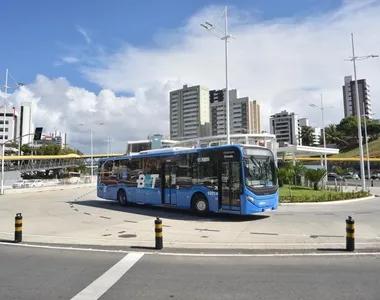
x=348, y=128
x=334, y=136
x=49, y=149
x=307, y=135
x=12, y=145
x=298, y=170
x=26, y=150
x=373, y=129
x=68, y=150
x=315, y=176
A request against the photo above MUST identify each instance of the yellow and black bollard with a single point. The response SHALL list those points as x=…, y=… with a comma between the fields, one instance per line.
x=158, y=231
x=350, y=234
x=18, y=228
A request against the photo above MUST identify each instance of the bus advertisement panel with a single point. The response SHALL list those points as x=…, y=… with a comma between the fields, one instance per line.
x=231, y=179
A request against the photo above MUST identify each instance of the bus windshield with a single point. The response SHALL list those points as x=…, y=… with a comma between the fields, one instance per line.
x=259, y=168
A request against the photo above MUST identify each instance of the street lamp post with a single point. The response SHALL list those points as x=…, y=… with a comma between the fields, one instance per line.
x=108, y=145
x=357, y=104
x=366, y=143
x=224, y=37
x=3, y=133
x=92, y=144
x=322, y=108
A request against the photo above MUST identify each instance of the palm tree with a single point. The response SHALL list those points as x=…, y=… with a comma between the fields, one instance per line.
x=315, y=176
x=334, y=136
x=307, y=135
x=299, y=170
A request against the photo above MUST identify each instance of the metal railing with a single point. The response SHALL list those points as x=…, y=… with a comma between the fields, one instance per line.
x=41, y=183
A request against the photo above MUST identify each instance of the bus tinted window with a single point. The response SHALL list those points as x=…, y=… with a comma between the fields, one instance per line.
x=259, y=168
x=152, y=166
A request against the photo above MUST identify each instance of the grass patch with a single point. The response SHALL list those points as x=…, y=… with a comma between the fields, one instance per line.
x=374, y=151
x=301, y=194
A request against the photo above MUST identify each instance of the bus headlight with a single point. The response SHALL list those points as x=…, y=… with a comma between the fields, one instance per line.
x=250, y=199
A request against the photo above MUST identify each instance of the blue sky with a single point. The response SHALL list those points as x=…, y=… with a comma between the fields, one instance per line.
x=39, y=32
x=131, y=54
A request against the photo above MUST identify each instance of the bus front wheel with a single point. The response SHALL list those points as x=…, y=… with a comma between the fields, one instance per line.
x=122, y=197
x=200, y=204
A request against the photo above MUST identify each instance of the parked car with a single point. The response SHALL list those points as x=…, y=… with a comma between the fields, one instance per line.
x=351, y=175
x=19, y=184
x=34, y=183
x=333, y=177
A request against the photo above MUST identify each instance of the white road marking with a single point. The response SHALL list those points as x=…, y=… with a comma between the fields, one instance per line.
x=101, y=285
x=199, y=254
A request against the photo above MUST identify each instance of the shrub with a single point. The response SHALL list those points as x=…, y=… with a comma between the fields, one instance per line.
x=324, y=197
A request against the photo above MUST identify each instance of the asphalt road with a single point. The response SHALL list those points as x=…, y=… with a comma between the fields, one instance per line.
x=47, y=274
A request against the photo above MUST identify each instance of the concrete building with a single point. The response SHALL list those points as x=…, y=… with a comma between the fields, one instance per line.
x=286, y=127
x=349, y=100
x=189, y=113
x=244, y=113
x=317, y=133
x=55, y=137
x=26, y=125
x=303, y=122
x=218, y=110
x=9, y=133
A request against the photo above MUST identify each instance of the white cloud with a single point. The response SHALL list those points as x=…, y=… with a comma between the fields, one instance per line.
x=58, y=105
x=84, y=34
x=70, y=59
x=274, y=61
x=284, y=63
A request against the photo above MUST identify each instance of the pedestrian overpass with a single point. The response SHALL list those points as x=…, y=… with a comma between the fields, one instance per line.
x=32, y=163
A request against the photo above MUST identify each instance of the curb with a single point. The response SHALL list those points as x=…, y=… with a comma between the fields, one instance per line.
x=46, y=189
x=237, y=253
x=330, y=202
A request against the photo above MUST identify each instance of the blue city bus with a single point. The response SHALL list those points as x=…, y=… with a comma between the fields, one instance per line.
x=236, y=179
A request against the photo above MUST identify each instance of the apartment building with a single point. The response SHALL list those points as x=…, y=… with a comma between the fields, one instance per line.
x=349, y=100
x=8, y=131
x=244, y=113
x=285, y=125
x=189, y=112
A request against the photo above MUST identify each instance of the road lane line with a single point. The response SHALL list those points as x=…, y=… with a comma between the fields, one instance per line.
x=101, y=285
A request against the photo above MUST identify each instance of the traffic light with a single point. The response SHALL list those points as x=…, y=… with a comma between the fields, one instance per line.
x=38, y=133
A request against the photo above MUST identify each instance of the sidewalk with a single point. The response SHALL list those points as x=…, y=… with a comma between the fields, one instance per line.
x=77, y=217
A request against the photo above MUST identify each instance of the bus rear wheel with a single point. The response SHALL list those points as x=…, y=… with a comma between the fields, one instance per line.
x=200, y=204
x=122, y=198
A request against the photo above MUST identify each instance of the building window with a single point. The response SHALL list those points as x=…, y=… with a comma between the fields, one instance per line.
x=6, y=122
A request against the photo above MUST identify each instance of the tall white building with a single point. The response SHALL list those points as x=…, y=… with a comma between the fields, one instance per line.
x=26, y=125
x=9, y=133
x=317, y=132
x=349, y=100
x=286, y=127
x=244, y=113
x=303, y=122
x=189, y=113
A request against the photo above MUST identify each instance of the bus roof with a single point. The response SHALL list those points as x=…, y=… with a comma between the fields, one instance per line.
x=178, y=150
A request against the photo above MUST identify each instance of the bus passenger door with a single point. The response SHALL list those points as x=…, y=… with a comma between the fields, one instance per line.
x=229, y=185
x=169, y=194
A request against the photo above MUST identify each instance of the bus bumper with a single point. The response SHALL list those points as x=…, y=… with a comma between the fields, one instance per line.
x=259, y=204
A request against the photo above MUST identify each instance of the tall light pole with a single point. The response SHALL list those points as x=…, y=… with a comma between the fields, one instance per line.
x=92, y=147
x=366, y=142
x=322, y=108
x=224, y=37
x=3, y=133
x=357, y=104
x=109, y=140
